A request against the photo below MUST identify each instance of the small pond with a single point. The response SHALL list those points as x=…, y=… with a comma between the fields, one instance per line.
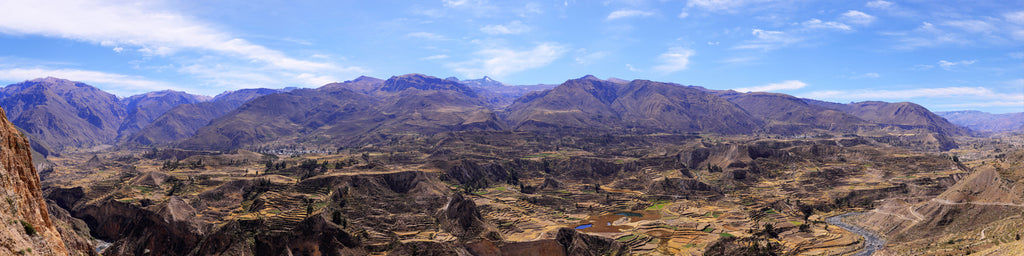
x=584, y=226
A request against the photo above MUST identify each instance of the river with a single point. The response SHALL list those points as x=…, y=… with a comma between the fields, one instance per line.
x=872, y=242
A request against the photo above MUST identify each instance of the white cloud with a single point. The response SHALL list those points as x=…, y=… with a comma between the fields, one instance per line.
x=123, y=85
x=857, y=17
x=628, y=14
x=515, y=27
x=1015, y=17
x=818, y=24
x=426, y=36
x=584, y=57
x=973, y=26
x=947, y=98
x=739, y=60
x=975, y=93
x=683, y=14
x=769, y=40
x=723, y=5
x=927, y=35
x=631, y=68
x=950, y=64
x=501, y=61
x=142, y=27
x=478, y=8
x=455, y=3
x=871, y=75
x=785, y=85
x=675, y=59
x=879, y=4
x=435, y=57
x=923, y=67
x=314, y=80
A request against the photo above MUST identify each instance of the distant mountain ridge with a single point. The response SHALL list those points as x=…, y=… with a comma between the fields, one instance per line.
x=63, y=113
x=337, y=114
x=143, y=109
x=184, y=120
x=788, y=115
x=591, y=103
x=986, y=122
x=58, y=114
x=899, y=113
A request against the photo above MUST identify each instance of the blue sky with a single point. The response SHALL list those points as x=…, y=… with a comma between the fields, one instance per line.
x=945, y=55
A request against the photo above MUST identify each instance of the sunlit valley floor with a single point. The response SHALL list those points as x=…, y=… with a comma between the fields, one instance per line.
x=523, y=193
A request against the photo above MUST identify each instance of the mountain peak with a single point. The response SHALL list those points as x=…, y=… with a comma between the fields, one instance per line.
x=424, y=83
x=366, y=79
x=590, y=77
x=486, y=81
x=51, y=79
x=53, y=82
x=618, y=80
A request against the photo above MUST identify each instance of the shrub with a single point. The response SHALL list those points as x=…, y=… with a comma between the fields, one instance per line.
x=29, y=229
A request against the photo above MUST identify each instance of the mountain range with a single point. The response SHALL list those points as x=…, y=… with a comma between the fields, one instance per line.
x=60, y=115
x=986, y=122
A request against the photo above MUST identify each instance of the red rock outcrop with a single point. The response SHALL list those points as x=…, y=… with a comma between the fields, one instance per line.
x=25, y=225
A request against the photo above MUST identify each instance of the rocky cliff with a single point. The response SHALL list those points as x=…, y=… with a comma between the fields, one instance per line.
x=25, y=225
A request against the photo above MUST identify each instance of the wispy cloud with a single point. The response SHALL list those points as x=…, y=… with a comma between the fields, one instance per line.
x=674, y=60
x=501, y=61
x=683, y=14
x=455, y=3
x=1014, y=17
x=927, y=35
x=435, y=57
x=870, y=75
x=785, y=85
x=965, y=96
x=586, y=57
x=879, y=4
x=515, y=27
x=723, y=5
x=138, y=26
x=122, y=85
x=948, y=65
x=769, y=40
x=479, y=8
x=145, y=28
x=818, y=24
x=628, y=14
x=857, y=17
x=426, y=36
x=973, y=26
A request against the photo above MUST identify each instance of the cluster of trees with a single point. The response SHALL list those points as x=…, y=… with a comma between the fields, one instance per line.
x=714, y=168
